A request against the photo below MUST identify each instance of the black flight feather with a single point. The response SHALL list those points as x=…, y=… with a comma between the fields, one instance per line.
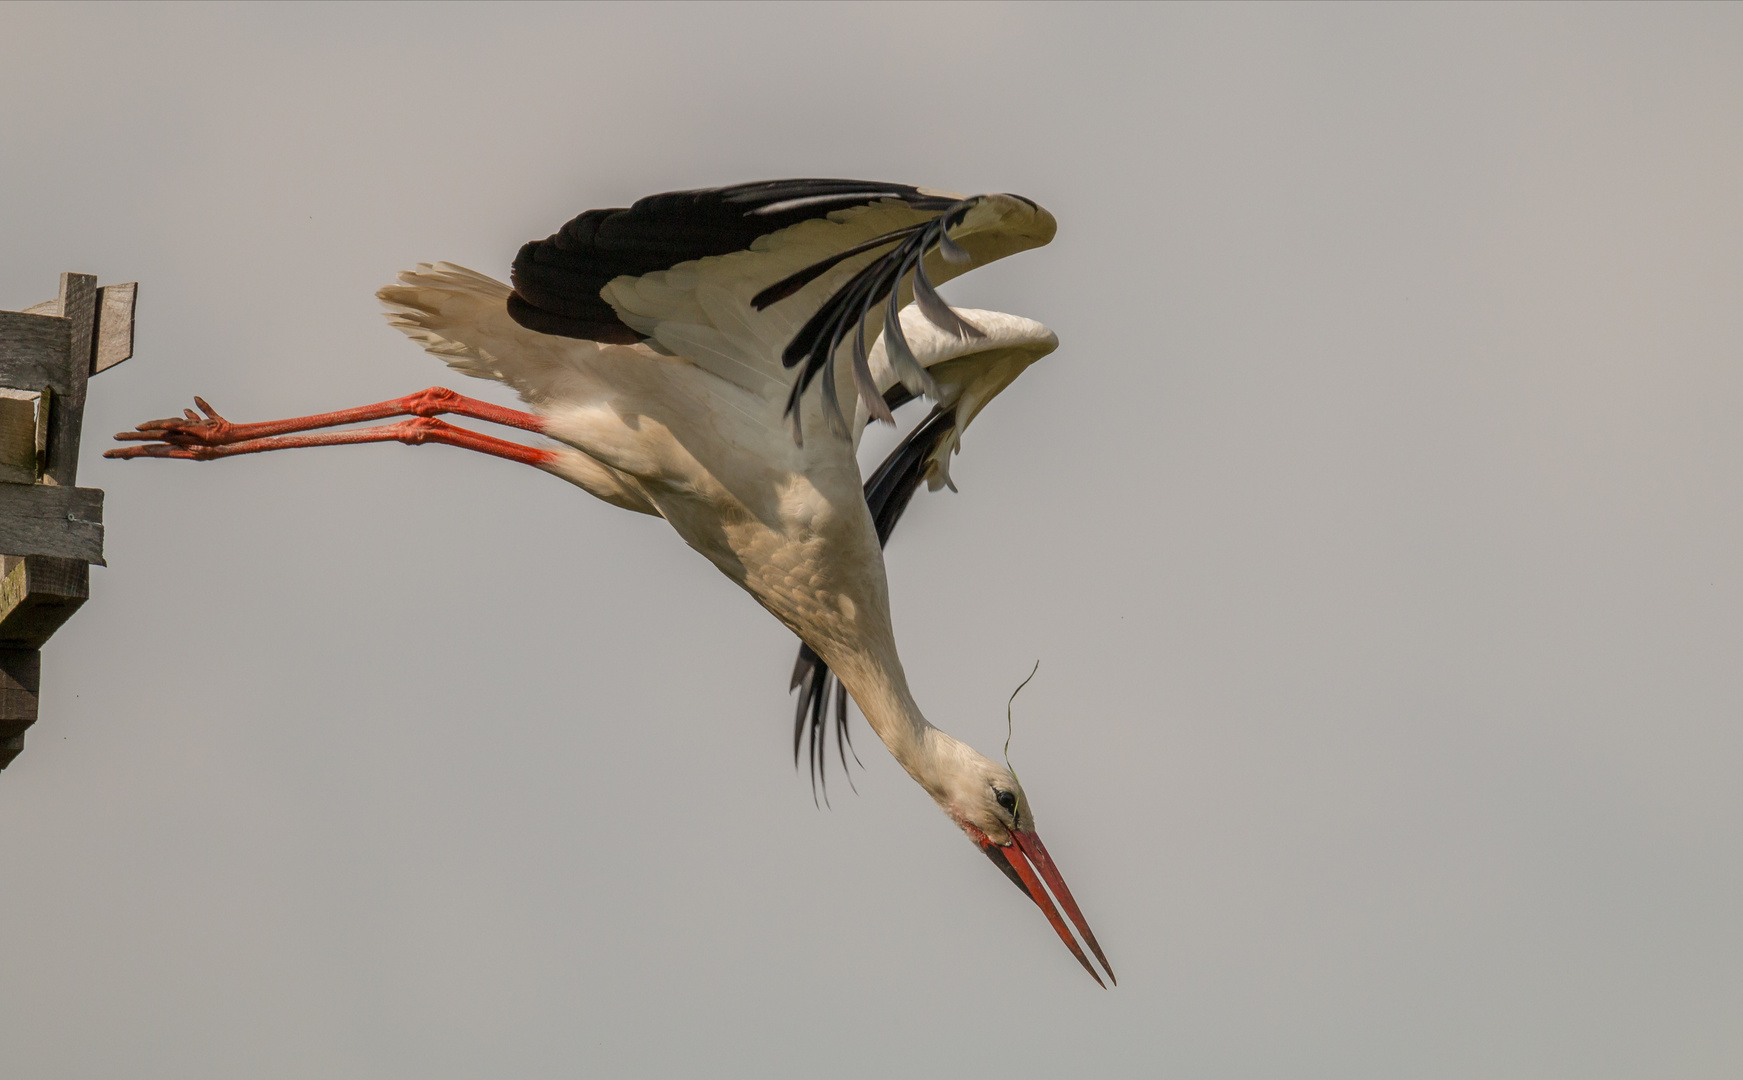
x=557, y=280
x=792, y=283
x=813, y=348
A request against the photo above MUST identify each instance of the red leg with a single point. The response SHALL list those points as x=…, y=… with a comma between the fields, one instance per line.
x=214, y=430
x=411, y=432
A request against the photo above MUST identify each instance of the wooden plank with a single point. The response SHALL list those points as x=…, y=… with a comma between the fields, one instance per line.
x=37, y=596
x=20, y=686
x=67, y=411
x=115, y=304
x=23, y=435
x=61, y=521
x=55, y=527
x=20, y=692
x=33, y=350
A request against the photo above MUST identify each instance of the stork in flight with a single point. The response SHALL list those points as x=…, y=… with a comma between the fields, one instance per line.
x=670, y=350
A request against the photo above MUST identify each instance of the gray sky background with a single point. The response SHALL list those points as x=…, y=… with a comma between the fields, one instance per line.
x=1377, y=525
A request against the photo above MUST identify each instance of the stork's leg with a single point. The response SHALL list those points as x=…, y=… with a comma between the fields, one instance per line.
x=201, y=438
x=421, y=429
x=214, y=430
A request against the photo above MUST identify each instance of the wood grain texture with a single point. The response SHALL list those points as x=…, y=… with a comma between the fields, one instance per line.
x=54, y=529
x=61, y=521
x=67, y=413
x=115, y=304
x=23, y=435
x=33, y=350
x=20, y=689
x=37, y=596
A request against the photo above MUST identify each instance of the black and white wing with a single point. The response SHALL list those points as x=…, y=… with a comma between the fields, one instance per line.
x=967, y=374
x=765, y=284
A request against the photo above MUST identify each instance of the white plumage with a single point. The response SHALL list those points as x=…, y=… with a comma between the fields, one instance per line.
x=688, y=424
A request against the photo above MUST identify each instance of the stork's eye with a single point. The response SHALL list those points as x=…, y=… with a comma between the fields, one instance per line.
x=1007, y=800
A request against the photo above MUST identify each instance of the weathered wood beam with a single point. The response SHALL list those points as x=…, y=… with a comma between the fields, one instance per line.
x=115, y=305
x=114, y=336
x=52, y=528
x=66, y=417
x=23, y=434
x=36, y=519
x=37, y=595
x=20, y=688
x=33, y=348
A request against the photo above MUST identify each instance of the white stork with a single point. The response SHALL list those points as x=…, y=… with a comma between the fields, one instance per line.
x=669, y=349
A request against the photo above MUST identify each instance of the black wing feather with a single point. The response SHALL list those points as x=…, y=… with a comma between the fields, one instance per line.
x=844, y=313
x=557, y=280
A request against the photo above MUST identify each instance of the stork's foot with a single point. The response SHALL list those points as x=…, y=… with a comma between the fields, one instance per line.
x=180, y=437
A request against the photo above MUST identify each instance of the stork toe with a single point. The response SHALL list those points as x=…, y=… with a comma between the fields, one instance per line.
x=189, y=429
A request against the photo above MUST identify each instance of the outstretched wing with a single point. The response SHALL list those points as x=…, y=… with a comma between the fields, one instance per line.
x=753, y=280
x=967, y=374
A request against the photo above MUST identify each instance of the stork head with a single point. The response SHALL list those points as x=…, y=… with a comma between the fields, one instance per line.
x=988, y=804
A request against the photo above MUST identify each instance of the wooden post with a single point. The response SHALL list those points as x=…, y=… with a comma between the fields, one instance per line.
x=52, y=528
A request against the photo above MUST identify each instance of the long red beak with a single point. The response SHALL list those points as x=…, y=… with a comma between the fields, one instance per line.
x=1027, y=863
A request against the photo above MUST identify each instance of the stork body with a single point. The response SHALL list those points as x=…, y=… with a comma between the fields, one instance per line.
x=653, y=345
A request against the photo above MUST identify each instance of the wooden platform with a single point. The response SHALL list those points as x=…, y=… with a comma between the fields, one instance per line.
x=50, y=529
